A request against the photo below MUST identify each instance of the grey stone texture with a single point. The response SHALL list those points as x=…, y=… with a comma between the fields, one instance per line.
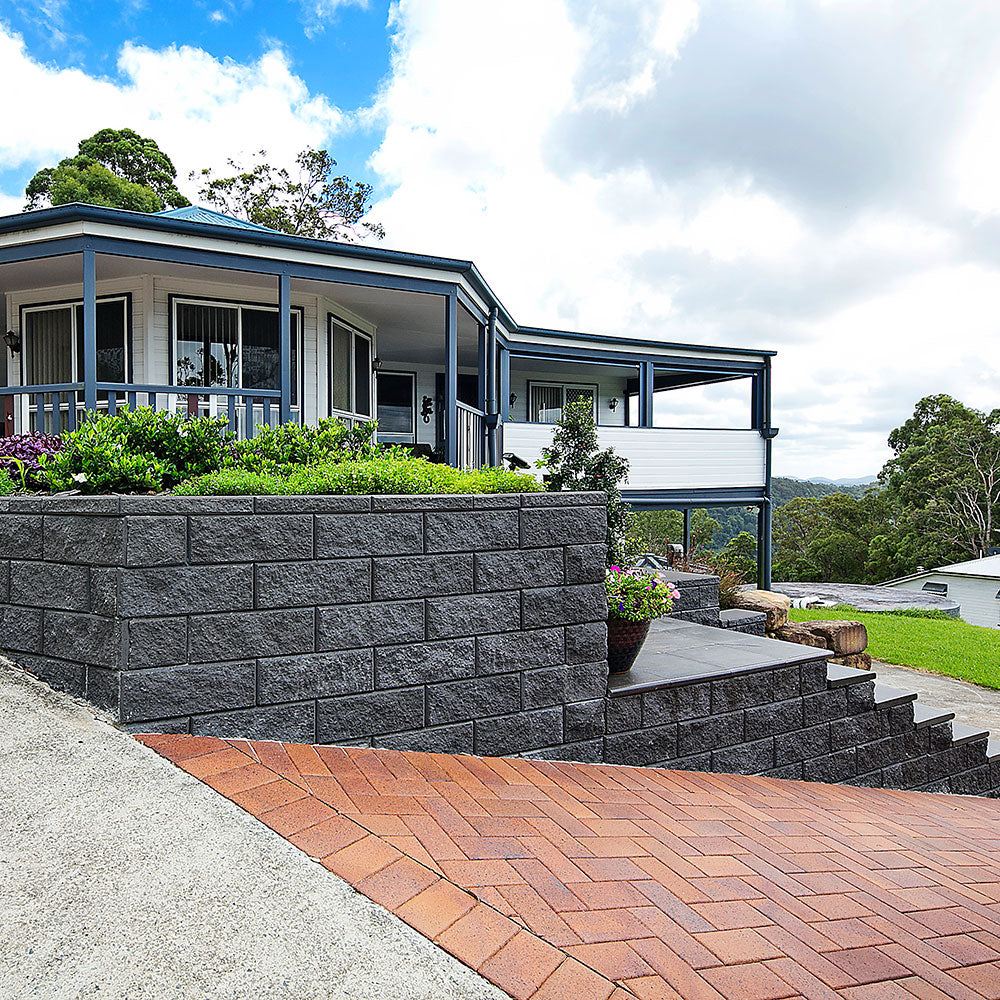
x=458, y=623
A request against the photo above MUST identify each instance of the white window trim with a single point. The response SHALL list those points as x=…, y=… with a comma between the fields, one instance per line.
x=75, y=333
x=177, y=300
x=563, y=386
x=352, y=413
x=390, y=437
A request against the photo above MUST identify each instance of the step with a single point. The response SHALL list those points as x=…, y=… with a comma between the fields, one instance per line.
x=993, y=748
x=838, y=675
x=961, y=733
x=926, y=715
x=888, y=697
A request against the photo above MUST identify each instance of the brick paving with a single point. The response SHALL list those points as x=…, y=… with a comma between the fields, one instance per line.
x=563, y=881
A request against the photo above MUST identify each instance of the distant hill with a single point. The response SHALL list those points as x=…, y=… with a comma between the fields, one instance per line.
x=860, y=481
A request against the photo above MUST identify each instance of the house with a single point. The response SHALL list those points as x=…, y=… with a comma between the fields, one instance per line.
x=974, y=585
x=194, y=310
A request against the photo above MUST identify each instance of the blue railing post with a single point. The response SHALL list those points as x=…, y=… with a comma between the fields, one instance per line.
x=646, y=381
x=451, y=378
x=492, y=431
x=89, y=332
x=285, y=341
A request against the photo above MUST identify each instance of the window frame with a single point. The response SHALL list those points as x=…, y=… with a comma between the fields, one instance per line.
x=177, y=298
x=352, y=413
x=412, y=376
x=563, y=386
x=75, y=334
x=935, y=587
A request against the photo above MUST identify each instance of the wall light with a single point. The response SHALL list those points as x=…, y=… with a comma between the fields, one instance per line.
x=513, y=398
x=613, y=404
x=13, y=341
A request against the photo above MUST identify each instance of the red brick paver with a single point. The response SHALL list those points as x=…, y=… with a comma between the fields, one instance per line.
x=594, y=882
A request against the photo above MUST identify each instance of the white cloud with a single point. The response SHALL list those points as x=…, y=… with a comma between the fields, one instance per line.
x=316, y=14
x=200, y=109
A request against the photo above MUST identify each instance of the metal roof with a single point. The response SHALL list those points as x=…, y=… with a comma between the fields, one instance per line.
x=209, y=217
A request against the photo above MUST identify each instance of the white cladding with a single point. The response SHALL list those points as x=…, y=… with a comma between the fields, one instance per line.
x=976, y=596
x=664, y=458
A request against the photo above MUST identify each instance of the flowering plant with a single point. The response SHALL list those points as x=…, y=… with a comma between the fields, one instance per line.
x=638, y=596
x=20, y=453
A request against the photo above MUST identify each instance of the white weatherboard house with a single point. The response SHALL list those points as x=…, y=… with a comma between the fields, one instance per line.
x=196, y=311
x=973, y=585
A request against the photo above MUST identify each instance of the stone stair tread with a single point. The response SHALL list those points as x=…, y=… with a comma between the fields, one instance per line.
x=886, y=697
x=927, y=715
x=993, y=748
x=961, y=733
x=837, y=675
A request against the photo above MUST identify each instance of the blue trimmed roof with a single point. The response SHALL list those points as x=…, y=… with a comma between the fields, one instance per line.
x=197, y=213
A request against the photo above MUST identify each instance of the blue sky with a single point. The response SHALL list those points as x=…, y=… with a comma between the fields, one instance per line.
x=814, y=176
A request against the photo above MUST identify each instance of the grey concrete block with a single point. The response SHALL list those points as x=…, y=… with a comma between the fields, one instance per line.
x=717, y=731
x=399, y=577
x=312, y=504
x=742, y=690
x=155, y=642
x=4, y=582
x=789, y=772
x=583, y=751
x=511, y=734
x=104, y=590
x=854, y=730
x=184, y=505
x=701, y=616
x=425, y=662
x=292, y=723
x=767, y=720
x=178, y=590
x=348, y=627
x=900, y=718
x=584, y=720
x=673, y=704
x=587, y=642
x=104, y=689
x=568, y=606
x=497, y=654
x=824, y=706
x=861, y=697
x=747, y=758
x=20, y=629
x=375, y=534
x=643, y=747
x=624, y=712
x=80, y=538
x=63, y=675
x=87, y=638
x=312, y=582
x=883, y=753
x=511, y=570
x=812, y=676
x=473, y=615
x=356, y=716
x=470, y=531
x=250, y=538
x=180, y=724
x=435, y=739
x=458, y=701
x=801, y=744
x=971, y=782
x=155, y=541
x=833, y=767
x=50, y=585
x=578, y=525
x=564, y=685
x=565, y=498
x=786, y=683
x=21, y=536
x=585, y=563
x=695, y=762
x=313, y=675
x=496, y=501
x=695, y=595
x=237, y=635
x=161, y=692
x=414, y=502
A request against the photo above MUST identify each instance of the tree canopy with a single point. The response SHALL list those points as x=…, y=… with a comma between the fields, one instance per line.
x=316, y=203
x=117, y=168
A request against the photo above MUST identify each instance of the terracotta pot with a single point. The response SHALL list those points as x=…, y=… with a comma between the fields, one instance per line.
x=625, y=639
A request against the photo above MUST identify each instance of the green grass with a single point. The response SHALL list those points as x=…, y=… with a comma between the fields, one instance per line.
x=927, y=641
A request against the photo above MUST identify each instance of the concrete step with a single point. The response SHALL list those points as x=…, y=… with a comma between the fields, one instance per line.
x=961, y=733
x=926, y=715
x=888, y=697
x=838, y=675
x=993, y=748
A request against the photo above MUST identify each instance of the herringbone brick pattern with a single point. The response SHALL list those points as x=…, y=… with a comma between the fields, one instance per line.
x=563, y=881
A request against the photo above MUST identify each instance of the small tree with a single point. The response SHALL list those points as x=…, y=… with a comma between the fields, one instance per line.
x=318, y=203
x=574, y=462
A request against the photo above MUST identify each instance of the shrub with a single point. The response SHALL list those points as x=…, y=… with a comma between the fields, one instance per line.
x=135, y=452
x=392, y=472
x=638, y=596
x=273, y=448
x=20, y=455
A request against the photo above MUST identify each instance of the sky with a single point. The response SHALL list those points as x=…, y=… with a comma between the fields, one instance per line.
x=819, y=177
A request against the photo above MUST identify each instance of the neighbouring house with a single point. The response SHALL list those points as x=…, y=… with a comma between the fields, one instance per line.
x=974, y=585
x=196, y=311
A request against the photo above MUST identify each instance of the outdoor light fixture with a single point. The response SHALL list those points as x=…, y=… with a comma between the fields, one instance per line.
x=613, y=404
x=376, y=364
x=513, y=398
x=13, y=341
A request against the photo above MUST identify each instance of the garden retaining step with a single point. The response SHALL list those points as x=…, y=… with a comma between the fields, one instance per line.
x=925, y=715
x=961, y=733
x=889, y=697
x=838, y=675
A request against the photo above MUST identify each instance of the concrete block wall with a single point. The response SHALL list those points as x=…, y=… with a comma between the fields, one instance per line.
x=461, y=623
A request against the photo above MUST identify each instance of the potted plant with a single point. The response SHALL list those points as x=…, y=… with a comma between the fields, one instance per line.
x=635, y=598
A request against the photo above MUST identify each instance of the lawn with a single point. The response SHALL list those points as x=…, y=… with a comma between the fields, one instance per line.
x=943, y=645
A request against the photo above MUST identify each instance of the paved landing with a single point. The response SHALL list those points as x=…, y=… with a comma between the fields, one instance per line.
x=561, y=881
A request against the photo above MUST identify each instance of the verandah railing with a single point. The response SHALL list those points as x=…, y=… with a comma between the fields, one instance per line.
x=56, y=408
x=471, y=437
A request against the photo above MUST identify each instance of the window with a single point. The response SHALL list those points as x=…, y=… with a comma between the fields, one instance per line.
x=547, y=399
x=233, y=345
x=396, y=404
x=53, y=342
x=349, y=358
x=936, y=588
